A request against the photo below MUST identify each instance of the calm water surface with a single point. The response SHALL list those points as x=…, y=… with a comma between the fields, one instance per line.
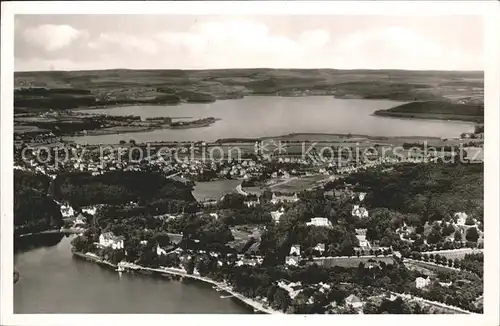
x=53, y=281
x=258, y=116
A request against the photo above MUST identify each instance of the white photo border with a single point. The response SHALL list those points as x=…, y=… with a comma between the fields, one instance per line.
x=488, y=9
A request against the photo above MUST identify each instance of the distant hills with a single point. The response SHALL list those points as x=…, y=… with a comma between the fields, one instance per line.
x=64, y=90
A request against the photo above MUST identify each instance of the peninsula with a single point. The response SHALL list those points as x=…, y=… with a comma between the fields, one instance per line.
x=442, y=110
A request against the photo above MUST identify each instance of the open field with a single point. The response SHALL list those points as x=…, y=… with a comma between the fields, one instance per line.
x=299, y=184
x=455, y=253
x=351, y=261
x=28, y=129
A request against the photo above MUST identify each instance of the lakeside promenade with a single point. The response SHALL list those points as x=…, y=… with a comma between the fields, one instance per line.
x=61, y=230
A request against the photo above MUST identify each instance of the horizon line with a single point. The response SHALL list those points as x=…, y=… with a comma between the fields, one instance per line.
x=256, y=68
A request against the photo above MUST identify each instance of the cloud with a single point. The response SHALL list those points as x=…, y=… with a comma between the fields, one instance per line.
x=233, y=36
x=52, y=37
x=400, y=48
x=125, y=42
x=315, y=39
x=397, y=40
x=241, y=43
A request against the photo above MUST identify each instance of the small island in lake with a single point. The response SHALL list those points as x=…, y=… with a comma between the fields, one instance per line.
x=193, y=124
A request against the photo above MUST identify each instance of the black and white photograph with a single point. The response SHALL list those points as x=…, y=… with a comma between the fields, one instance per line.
x=305, y=163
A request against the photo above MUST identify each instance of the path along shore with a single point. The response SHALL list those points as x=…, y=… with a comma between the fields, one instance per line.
x=61, y=230
x=257, y=306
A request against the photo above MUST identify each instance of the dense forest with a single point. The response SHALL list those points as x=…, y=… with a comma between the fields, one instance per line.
x=120, y=187
x=437, y=110
x=34, y=209
x=433, y=191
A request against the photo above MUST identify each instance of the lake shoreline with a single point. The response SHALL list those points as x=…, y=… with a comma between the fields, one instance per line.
x=241, y=298
x=240, y=121
x=16, y=276
x=424, y=116
x=53, y=231
x=283, y=137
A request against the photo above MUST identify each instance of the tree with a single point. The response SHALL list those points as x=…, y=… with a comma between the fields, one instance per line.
x=189, y=265
x=448, y=229
x=270, y=293
x=457, y=236
x=370, y=308
x=469, y=221
x=437, y=258
x=80, y=243
x=281, y=299
x=472, y=234
x=162, y=239
x=434, y=236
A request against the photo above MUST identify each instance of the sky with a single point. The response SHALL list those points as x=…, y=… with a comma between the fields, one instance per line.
x=88, y=42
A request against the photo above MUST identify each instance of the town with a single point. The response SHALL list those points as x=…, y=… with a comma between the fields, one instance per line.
x=289, y=234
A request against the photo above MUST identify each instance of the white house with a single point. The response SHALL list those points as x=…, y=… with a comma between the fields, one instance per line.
x=245, y=261
x=363, y=243
x=295, y=249
x=320, y=221
x=252, y=203
x=421, y=282
x=392, y=297
x=362, y=196
x=214, y=215
x=320, y=247
x=360, y=212
x=276, y=215
x=445, y=284
x=353, y=301
x=461, y=218
x=289, y=287
x=90, y=210
x=160, y=251
x=292, y=261
x=67, y=211
x=284, y=199
x=108, y=239
x=80, y=219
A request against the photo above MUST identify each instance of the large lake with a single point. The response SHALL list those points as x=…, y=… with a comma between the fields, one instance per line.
x=53, y=281
x=258, y=116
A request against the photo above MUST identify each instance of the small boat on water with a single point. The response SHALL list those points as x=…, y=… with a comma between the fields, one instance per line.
x=120, y=269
